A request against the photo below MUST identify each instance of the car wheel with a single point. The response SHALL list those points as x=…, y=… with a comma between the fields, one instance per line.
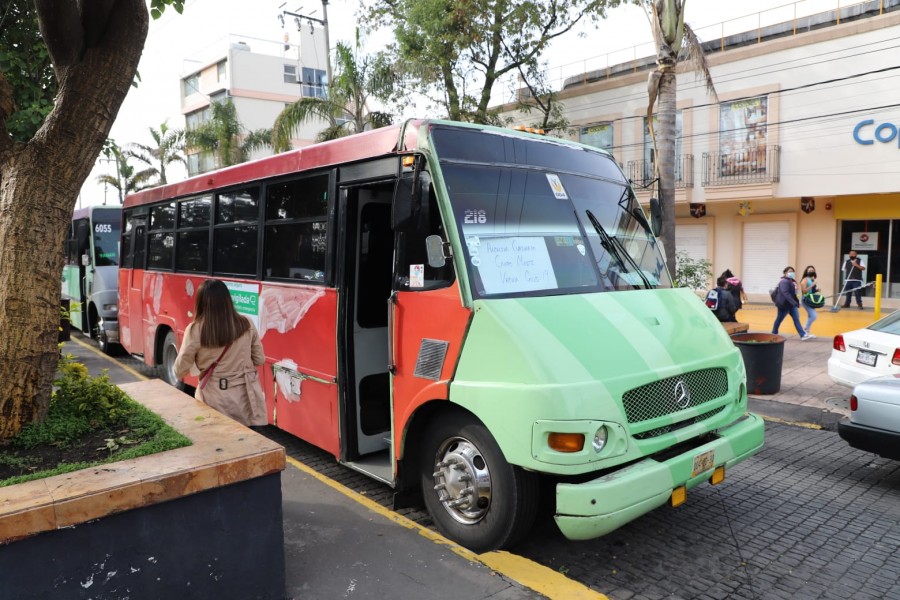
x=473, y=495
x=169, y=354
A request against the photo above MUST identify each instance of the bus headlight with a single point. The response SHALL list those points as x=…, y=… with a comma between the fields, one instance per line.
x=599, y=441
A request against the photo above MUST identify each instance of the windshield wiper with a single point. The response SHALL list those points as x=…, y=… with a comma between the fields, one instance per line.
x=612, y=245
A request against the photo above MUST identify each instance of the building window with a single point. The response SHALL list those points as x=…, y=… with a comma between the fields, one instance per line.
x=194, y=119
x=190, y=85
x=742, y=136
x=598, y=136
x=290, y=74
x=314, y=83
x=220, y=71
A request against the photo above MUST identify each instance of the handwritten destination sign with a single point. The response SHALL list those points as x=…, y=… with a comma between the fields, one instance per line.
x=515, y=264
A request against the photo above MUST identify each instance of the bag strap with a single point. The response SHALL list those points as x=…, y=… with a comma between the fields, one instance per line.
x=204, y=377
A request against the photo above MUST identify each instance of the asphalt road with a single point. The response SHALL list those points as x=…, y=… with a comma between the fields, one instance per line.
x=807, y=517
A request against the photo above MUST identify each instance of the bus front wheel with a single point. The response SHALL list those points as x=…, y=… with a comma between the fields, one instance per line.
x=472, y=494
x=169, y=354
x=97, y=332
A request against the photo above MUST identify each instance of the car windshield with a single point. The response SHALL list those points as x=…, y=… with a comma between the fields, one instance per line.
x=889, y=324
x=532, y=223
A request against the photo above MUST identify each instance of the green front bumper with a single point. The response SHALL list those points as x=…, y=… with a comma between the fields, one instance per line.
x=592, y=509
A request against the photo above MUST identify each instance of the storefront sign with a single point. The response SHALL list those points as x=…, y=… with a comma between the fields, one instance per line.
x=867, y=133
x=864, y=240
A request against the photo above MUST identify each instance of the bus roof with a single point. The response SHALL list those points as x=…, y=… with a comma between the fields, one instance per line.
x=369, y=144
x=83, y=213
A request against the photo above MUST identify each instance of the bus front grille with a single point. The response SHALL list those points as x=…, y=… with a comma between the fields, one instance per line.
x=666, y=396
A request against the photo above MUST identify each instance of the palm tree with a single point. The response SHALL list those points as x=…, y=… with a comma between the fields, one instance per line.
x=224, y=136
x=675, y=41
x=345, y=109
x=126, y=180
x=167, y=148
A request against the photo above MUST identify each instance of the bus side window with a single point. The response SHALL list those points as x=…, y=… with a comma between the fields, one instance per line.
x=412, y=252
x=296, y=230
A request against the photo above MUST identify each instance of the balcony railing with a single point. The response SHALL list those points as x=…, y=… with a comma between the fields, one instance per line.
x=751, y=164
x=642, y=172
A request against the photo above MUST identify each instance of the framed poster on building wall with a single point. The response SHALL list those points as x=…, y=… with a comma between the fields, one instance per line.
x=742, y=136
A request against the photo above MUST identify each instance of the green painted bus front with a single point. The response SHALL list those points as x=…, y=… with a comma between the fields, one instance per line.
x=607, y=352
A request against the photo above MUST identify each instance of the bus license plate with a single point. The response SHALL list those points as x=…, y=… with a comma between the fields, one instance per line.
x=704, y=462
x=867, y=358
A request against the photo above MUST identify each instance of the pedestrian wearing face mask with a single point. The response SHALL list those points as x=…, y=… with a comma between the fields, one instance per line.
x=788, y=304
x=807, y=286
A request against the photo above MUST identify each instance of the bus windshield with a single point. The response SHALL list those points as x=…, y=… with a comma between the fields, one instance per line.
x=107, y=227
x=539, y=218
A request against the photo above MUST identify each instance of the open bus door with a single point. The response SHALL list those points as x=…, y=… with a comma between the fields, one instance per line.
x=366, y=264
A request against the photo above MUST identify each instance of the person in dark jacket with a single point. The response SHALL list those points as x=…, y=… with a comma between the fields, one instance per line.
x=788, y=304
x=726, y=306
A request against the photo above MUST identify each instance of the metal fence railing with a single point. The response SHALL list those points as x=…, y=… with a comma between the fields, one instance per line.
x=750, y=164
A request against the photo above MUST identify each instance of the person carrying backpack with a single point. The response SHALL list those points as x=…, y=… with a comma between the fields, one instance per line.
x=786, y=301
x=734, y=286
x=721, y=302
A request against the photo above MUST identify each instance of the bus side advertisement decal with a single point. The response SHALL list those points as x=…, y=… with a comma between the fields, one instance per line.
x=246, y=299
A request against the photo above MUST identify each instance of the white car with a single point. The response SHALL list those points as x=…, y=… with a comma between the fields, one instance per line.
x=857, y=356
x=874, y=423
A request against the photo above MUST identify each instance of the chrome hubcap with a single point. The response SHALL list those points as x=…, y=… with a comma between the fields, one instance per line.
x=462, y=480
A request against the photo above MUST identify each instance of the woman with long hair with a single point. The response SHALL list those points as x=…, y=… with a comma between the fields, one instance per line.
x=222, y=347
x=808, y=285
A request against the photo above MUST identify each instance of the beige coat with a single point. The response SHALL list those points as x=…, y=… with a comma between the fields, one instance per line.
x=243, y=399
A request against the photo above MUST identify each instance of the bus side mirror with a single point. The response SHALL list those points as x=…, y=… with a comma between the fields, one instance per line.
x=406, y=200
x=434, y=246
x=655, y=216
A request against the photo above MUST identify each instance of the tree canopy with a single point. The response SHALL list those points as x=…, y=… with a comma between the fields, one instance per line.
x=455, y=51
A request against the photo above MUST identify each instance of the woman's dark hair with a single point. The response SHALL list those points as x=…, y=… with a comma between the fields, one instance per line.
x=727, y=273
x=808, y=269
x=786, y=269
x=220, y=324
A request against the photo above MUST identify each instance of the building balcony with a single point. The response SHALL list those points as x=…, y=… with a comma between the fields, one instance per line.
x=747, y=165
x=642, y=172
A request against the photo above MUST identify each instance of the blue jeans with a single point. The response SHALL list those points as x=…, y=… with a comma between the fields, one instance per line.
x=810, y=316
x=795, y=315
x=854, y=286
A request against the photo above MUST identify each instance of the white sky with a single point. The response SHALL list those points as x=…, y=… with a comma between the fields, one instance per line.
x=205, y=26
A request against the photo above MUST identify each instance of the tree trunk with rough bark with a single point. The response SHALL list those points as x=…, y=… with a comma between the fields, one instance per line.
x=95, y=48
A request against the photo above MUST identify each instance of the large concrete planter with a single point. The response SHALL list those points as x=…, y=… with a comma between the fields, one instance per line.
x=198, y=522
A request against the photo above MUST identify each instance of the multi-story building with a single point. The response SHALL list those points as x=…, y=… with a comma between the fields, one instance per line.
x=260, y=80
x=795, y=163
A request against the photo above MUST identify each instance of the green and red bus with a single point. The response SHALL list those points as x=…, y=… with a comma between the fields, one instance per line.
x=464, y=312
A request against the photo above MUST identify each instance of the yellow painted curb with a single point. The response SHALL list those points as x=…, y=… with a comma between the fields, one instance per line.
x=523, y=571
x=796, y=423
x=109, y=359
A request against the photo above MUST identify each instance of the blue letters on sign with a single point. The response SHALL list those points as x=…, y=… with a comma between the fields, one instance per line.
x=884, y=133
x=859, y=126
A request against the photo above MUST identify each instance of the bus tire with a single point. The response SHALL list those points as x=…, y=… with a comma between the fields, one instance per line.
x=493, y=514
x=96, y=331
x=167, y=364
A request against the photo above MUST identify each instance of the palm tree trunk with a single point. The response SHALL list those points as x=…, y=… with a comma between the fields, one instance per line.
x=666, y=160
